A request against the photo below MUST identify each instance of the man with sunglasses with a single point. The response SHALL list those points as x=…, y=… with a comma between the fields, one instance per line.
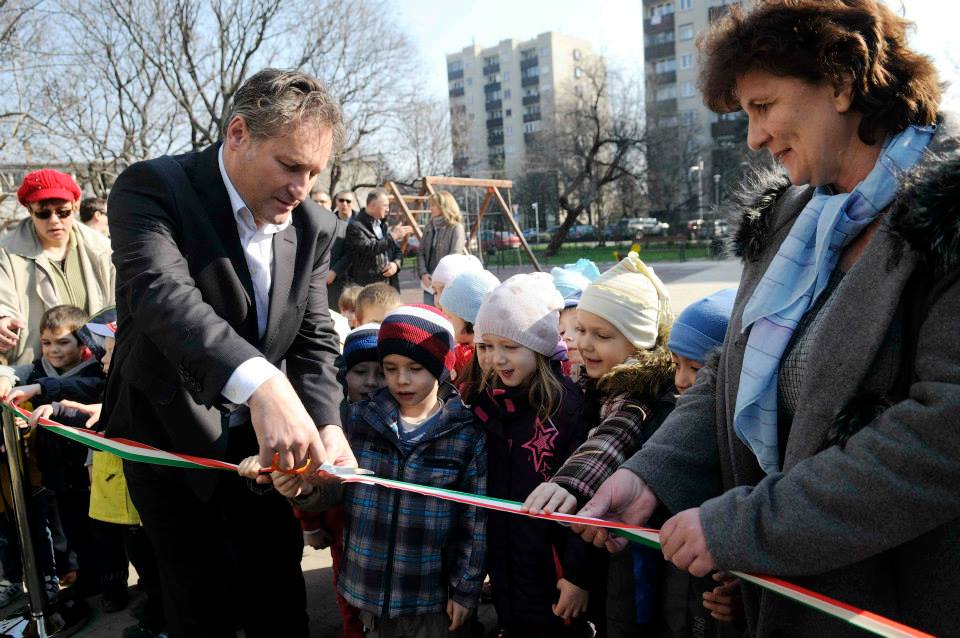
x=339, y=259
x=47, y=260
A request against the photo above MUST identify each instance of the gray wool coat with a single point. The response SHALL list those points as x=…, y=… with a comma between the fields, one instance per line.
x=867, y=506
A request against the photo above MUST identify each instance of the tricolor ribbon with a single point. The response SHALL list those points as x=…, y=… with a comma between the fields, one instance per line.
x=141, y=453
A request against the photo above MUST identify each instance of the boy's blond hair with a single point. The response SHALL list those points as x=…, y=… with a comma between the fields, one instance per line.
x=376, y=297
x=347, y=302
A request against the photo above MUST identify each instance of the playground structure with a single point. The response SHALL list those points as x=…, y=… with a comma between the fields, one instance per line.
x=410, y=206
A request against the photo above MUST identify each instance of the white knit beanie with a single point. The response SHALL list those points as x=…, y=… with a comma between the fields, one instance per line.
x=632, y=298
x=452, y=265
x=525, y=309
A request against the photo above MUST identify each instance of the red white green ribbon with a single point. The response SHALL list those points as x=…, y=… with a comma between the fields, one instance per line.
x=138, y=452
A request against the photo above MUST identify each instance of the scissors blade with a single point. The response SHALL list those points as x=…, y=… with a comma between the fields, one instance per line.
x=336, y=470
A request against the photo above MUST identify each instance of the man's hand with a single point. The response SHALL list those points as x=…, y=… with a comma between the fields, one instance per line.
x=573, y=600
x=623, y=497
x=390, y=270
x=458, y=614
x=23, y=393
x=550, y=497
x=684, y=544
x=427, y=281
x=400, y=232
x=8, y=334
x=90, y=409
x=331, y=277
x=283, y=426
x=335, y=443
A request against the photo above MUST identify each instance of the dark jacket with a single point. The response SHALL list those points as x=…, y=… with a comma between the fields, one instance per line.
x=339, y=262
x=405, y=554
x=867, y=506
x=526, y=557
x=369, y=255
x=84, y=383
x=186, y=311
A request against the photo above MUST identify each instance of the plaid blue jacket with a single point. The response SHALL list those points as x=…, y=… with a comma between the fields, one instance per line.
x=407, y=554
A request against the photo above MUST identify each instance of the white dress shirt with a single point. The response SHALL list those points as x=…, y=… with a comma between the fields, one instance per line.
x=257, y=246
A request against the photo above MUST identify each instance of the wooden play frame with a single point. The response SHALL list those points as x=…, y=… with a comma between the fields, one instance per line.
x=492, y=189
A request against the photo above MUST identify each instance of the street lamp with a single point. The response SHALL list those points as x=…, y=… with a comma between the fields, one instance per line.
x=536, y=219
x=699, y=168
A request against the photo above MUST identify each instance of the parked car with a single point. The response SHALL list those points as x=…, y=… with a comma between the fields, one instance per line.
x=618, y=231
x=582, y=232
x=506, y=239
x=535, y=236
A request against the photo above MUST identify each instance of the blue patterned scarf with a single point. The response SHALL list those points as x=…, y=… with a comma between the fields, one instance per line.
x=798, y=274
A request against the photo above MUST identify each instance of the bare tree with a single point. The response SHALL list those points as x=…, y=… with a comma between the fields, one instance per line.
x=421, y=138
x=595, y=140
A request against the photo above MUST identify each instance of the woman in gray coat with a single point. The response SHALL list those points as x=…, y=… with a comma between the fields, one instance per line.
x=442, y=236
x=824, y=445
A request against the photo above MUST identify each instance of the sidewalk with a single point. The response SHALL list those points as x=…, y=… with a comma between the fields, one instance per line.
x=686, y=290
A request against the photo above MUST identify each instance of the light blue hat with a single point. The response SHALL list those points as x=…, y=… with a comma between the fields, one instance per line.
x=465, y=293
x=702, y=326
x=573, y=278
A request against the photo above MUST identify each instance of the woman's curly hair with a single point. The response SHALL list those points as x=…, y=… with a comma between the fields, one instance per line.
x=824, y=41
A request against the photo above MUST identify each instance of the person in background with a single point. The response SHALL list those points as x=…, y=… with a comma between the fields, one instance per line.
x=347, y=304
x=93, y=213
x=571, y=280
x=339, y=258
x=323, y=199
x=374, y=301
x=47, y=260
x=460, y=302
x=449, y=268
x=443, y=235
x=344, y=202
x=373, y=246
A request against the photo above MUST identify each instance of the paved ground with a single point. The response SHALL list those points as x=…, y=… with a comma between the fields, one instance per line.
x=686, y=281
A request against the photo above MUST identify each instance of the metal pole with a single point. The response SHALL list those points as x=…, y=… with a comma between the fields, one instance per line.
x=700, y=189
x=31, y=573
x=716, y=190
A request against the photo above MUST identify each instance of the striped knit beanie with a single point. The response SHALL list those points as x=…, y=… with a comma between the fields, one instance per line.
x=361, y=345
x=420, y=333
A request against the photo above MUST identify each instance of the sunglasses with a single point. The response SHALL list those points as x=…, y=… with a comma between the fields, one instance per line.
x=345, y=201
x=45, y=214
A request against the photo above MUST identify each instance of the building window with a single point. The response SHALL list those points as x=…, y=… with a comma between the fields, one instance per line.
x=686, y=61
x=528, y=54
x=491, y=60
x=577, y=72
x=578, y=90
x=506, y=94
x=509, y=112
x=577, y=54
x=667, y=92
x=658, y=38
x=506, y=76
x=543, y=51
x=666, y=65
x=685, y=5
x=689, y=118
x=687, y=89
x=660, y=10
x=685, y=32
x=456, y=65
x=469, y=81
x=509, y=128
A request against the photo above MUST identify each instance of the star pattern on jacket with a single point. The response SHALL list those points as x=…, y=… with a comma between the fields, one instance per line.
x=540, y=444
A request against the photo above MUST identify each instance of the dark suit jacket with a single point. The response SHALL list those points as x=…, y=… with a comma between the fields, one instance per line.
x=186, y=310
x=369, y=255
x=339, y=262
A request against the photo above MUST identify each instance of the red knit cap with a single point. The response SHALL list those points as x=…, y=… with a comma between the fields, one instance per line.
x=47, y=184
x=420, y=333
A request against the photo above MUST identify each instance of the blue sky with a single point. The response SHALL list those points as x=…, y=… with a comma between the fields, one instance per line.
x=438, y=27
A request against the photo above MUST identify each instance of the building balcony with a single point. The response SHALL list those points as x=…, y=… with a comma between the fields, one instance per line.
x=658, y=24
x=495, y=140
x=454, y=75
x=491, y=88
x=456, y=92
x=490, y=69
x=494, y=105
x=662, y=79
x=531, y=117
x=735, y=129
x=656, y=51
x=495, y=122
x=530, y=81
x=531, y=99
x=662, y=107
x=529, y=63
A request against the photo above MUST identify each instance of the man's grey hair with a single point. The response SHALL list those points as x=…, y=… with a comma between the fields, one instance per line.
x=377, y=193
x=272, y=101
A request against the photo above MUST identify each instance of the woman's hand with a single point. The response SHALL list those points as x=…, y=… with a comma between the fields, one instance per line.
x=9, y=326
x=426, y=281
x=573, y=600
x=457, y=613
x=549, y=497
x=684, y=544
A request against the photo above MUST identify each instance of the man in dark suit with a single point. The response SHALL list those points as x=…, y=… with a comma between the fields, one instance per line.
x=221, y=261
x=372, y=245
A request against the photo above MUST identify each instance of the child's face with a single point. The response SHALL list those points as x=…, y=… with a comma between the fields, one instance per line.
x=568, y=332
x=61, y=348
x=108, y=345
x=364, y=379
x=484, y=356
x=459, y=328
x=601, y=345
x=350, y=315
x=513, y=363
x=412, y=385
x=686, y=372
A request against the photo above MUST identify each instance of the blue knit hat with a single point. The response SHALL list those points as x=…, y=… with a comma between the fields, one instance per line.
x=573, y=278
x=465, y=293
x=701, y=327
x=361, y=345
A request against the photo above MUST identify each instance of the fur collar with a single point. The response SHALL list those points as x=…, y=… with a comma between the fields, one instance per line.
x=925, y=216
x=647, y=373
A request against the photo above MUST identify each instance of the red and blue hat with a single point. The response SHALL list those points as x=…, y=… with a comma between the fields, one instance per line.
x=421, y=333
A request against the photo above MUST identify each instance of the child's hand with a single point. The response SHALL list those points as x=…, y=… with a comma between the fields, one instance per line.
x=290, y=485
x=458, y=614
x=724, y=602
x=573, y=600
x=250, y=468
x=93, y=410
x=23, y=393
x=550, y=497
x=43, y=412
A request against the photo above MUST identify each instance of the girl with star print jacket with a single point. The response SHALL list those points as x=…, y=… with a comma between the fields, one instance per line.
x=527, y=558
